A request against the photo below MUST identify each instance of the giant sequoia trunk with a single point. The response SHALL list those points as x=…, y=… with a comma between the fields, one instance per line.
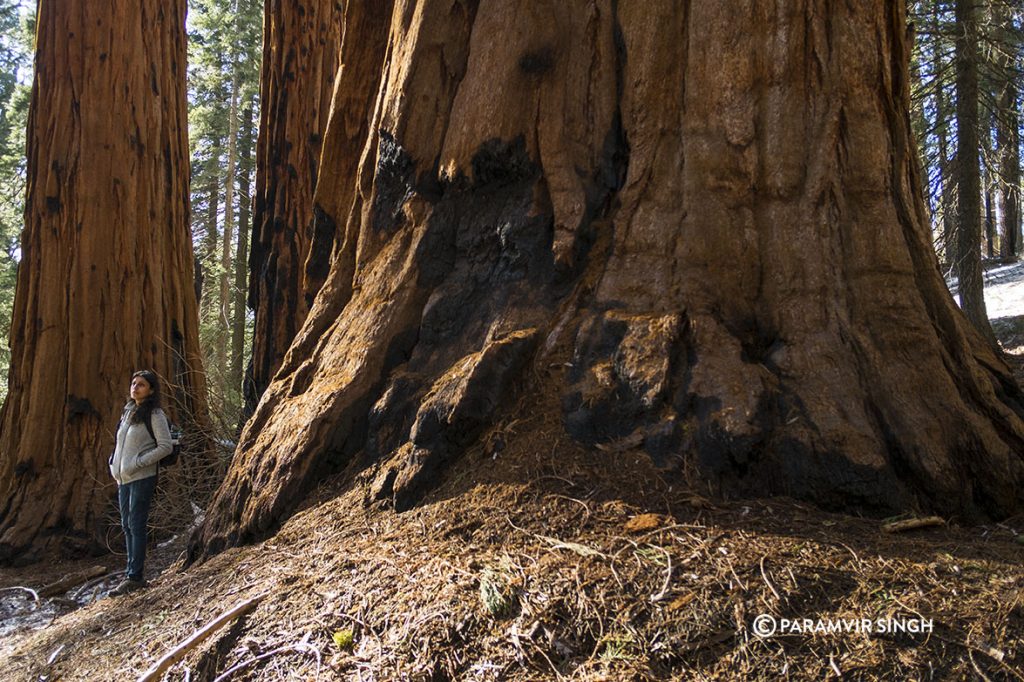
x=300, y=57
x=105, y=284
x=713, y=208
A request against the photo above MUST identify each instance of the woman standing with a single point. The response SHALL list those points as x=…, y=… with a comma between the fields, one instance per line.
x=143, y=439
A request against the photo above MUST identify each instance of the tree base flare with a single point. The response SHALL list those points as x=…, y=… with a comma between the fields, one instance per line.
x=731, y=272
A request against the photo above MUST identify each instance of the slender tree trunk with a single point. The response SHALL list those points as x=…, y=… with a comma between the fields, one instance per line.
x=1009, y=192
x=208, y=246
x=947, y=187
x=207, y=258
x=105, y=284
x=688, y=232
x=946, y=183
x=1008, y=140
x=990, y=224
x=300, y=59
x=224, y=300
x=920, y=117
x=241, y=266
x=989, y=181
x=968, y=264
x=213, y=206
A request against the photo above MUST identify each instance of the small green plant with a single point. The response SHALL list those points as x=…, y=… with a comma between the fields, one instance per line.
x=617, y=647
x=496, y=591
x=344, y=639
x=653, y=554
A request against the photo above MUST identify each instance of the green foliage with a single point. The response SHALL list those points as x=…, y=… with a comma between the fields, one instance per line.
x=225, y=49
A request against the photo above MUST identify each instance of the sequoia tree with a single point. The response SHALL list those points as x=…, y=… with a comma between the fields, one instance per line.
x=300, y=57
x=105, y=282
x=700, y=223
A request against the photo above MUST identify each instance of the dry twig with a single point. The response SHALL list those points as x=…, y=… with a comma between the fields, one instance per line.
x=913, y=524
x=766, y=581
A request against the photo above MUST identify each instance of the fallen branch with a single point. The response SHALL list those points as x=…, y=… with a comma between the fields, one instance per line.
x=34, y=594
x=913, y=524
x=175, y=654
x=832, y=664
x=71, y=580
x=55, y=654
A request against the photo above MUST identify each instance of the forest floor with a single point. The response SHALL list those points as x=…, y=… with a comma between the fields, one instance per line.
x=531, y=564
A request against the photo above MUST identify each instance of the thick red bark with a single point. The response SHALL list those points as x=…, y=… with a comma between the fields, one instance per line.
x=300, y=58
x=105, y=284
x=707, y=212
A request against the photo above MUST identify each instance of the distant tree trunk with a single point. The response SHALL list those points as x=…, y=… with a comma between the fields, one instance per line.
x=968, y=264
x=241, y=266
x=692, y=231
x=105, y=284
x=300, y=58
x=990, y=224
x=208, y=247
x=945, y=182
x=213, y=206
x=920, y=118
x=1008, y=139
x=224, y=300
x=198, y=277
x=207, y=257
x=989, y=182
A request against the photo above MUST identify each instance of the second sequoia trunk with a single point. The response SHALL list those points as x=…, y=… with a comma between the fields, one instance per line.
x=708, y=213
x=300, y=57
x=105, y=282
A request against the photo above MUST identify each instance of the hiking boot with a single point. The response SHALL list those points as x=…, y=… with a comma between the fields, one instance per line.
x=127, y=586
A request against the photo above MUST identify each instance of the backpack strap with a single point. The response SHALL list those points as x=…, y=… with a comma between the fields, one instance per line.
x=149, y=427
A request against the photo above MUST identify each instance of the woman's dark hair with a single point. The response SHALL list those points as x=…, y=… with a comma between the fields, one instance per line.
x=143, y=411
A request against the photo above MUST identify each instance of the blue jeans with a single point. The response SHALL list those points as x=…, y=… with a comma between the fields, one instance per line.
x=134, y=499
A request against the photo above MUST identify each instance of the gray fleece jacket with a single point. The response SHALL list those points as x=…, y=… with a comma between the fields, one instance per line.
x=136, y=454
